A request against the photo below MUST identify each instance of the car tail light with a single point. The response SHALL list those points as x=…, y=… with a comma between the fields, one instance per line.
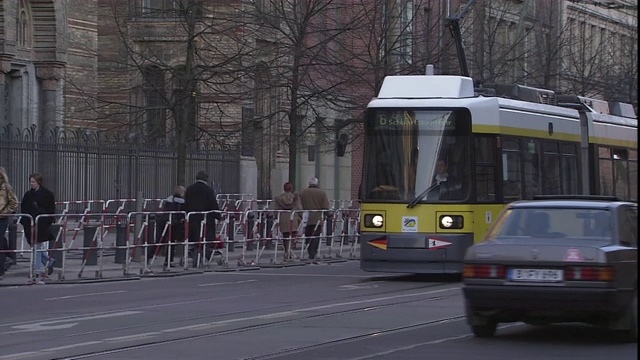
x=589, y=273
x=484, y=271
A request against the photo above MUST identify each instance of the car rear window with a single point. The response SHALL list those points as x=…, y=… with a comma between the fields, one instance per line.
x=553, y=222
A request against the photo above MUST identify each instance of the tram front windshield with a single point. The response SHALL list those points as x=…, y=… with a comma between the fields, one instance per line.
x=417, y=155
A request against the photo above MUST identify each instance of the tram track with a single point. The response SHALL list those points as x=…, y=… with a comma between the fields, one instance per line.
x=213, y=317
x=271, y=355
x=248, y=328
x=348, y=339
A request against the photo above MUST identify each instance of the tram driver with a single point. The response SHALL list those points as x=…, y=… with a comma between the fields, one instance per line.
x=444, y=186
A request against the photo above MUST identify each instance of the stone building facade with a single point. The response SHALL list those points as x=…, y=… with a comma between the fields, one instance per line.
x=48, y=55
x=123, y=66
x=217, y=67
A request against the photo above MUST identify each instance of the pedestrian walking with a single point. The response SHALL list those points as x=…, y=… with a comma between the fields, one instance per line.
x=8, y=205
x=287, y=202
x=39, y=200
x=175, y=236
x=314, y=201
x=200, y=197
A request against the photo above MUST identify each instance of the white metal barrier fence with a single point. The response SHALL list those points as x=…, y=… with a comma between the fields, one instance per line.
x=132, y=243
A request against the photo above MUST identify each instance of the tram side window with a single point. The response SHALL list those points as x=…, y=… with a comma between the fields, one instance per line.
x=531, y=169
x=606, y=170
x=569, y=169
x=552, y=179
x=633, y=175
x=485, y=169
x=511, y=170
x=618, y=174
x=621, y=173
x=560, y=168
x=630, y=227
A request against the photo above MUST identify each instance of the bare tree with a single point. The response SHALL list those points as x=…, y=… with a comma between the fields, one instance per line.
x=600, y=56
x=620, y=74
x=584, y=62
x=391, y=37
x=170, y=71
x=544, y=44
x=497, y=41
x=296, y=63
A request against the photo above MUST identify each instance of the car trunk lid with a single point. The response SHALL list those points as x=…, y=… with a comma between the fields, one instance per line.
x=537, y=253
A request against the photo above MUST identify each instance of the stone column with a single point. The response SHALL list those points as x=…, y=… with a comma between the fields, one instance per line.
x=3, y=103
x=5, y=67
x=49, y=76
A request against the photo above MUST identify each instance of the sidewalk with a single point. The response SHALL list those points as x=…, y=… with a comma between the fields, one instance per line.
x=104, y=268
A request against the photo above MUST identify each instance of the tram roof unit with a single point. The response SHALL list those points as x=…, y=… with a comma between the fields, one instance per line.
x=426, y=87
x=404, y=90
x=415, y=91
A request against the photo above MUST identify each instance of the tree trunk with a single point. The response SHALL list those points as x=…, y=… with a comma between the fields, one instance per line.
x=181, y=147
x=294, y=118
x=293, y=146
x=186, y=118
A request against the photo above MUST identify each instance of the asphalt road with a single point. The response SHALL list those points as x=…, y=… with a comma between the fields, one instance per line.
x=311, y=312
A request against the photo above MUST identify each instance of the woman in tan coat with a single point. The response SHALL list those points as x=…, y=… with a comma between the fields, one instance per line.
x=288, y=200
x=8, y=204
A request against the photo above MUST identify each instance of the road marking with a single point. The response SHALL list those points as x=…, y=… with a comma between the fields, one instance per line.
x=55, y=325
x=74, y=317
x=306, y=275
x=432, y=342
x=71, y=346
x=19, y=355
x=83, y=295
x=229, y=282
x=358, y=287
x=200, y=326
x=278, y=315
x=309, y=309
x=133, y=337
x=190, y=327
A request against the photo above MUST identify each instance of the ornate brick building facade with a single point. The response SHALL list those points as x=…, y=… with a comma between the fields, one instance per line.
x=48, y=50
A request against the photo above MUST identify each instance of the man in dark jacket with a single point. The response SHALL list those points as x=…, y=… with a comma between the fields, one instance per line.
x=201, y=197
x=39, y=200
x=174, y=202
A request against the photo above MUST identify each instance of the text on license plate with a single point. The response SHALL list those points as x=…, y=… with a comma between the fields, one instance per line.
x=535, y=275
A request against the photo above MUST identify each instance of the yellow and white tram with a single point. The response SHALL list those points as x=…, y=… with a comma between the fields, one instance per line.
x=442, y=160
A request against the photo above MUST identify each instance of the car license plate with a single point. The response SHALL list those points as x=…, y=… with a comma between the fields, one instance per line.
x=542, y=275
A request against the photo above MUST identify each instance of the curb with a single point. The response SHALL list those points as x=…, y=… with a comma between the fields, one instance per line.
x=91, y=281
x=72, y=282
x=281, y=265
x=167, y=274
x=247, y=268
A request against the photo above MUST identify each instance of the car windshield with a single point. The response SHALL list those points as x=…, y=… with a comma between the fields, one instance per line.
x=553, y=223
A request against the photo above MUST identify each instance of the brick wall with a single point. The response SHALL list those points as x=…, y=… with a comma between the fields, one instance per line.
x=81, y=89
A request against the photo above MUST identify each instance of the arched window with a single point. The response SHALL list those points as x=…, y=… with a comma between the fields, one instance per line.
x=23, y=26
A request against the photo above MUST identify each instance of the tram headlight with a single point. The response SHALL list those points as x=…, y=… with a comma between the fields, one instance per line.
x=451, y=222
x=373, y=220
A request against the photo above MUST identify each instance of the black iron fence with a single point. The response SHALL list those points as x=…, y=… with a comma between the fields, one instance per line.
x=87, y=165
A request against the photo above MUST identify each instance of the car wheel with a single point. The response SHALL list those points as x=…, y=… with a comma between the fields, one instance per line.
x=630, y=333
x=487, y=330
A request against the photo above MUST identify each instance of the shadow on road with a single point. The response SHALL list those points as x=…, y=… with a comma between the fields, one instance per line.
x=570, y=334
